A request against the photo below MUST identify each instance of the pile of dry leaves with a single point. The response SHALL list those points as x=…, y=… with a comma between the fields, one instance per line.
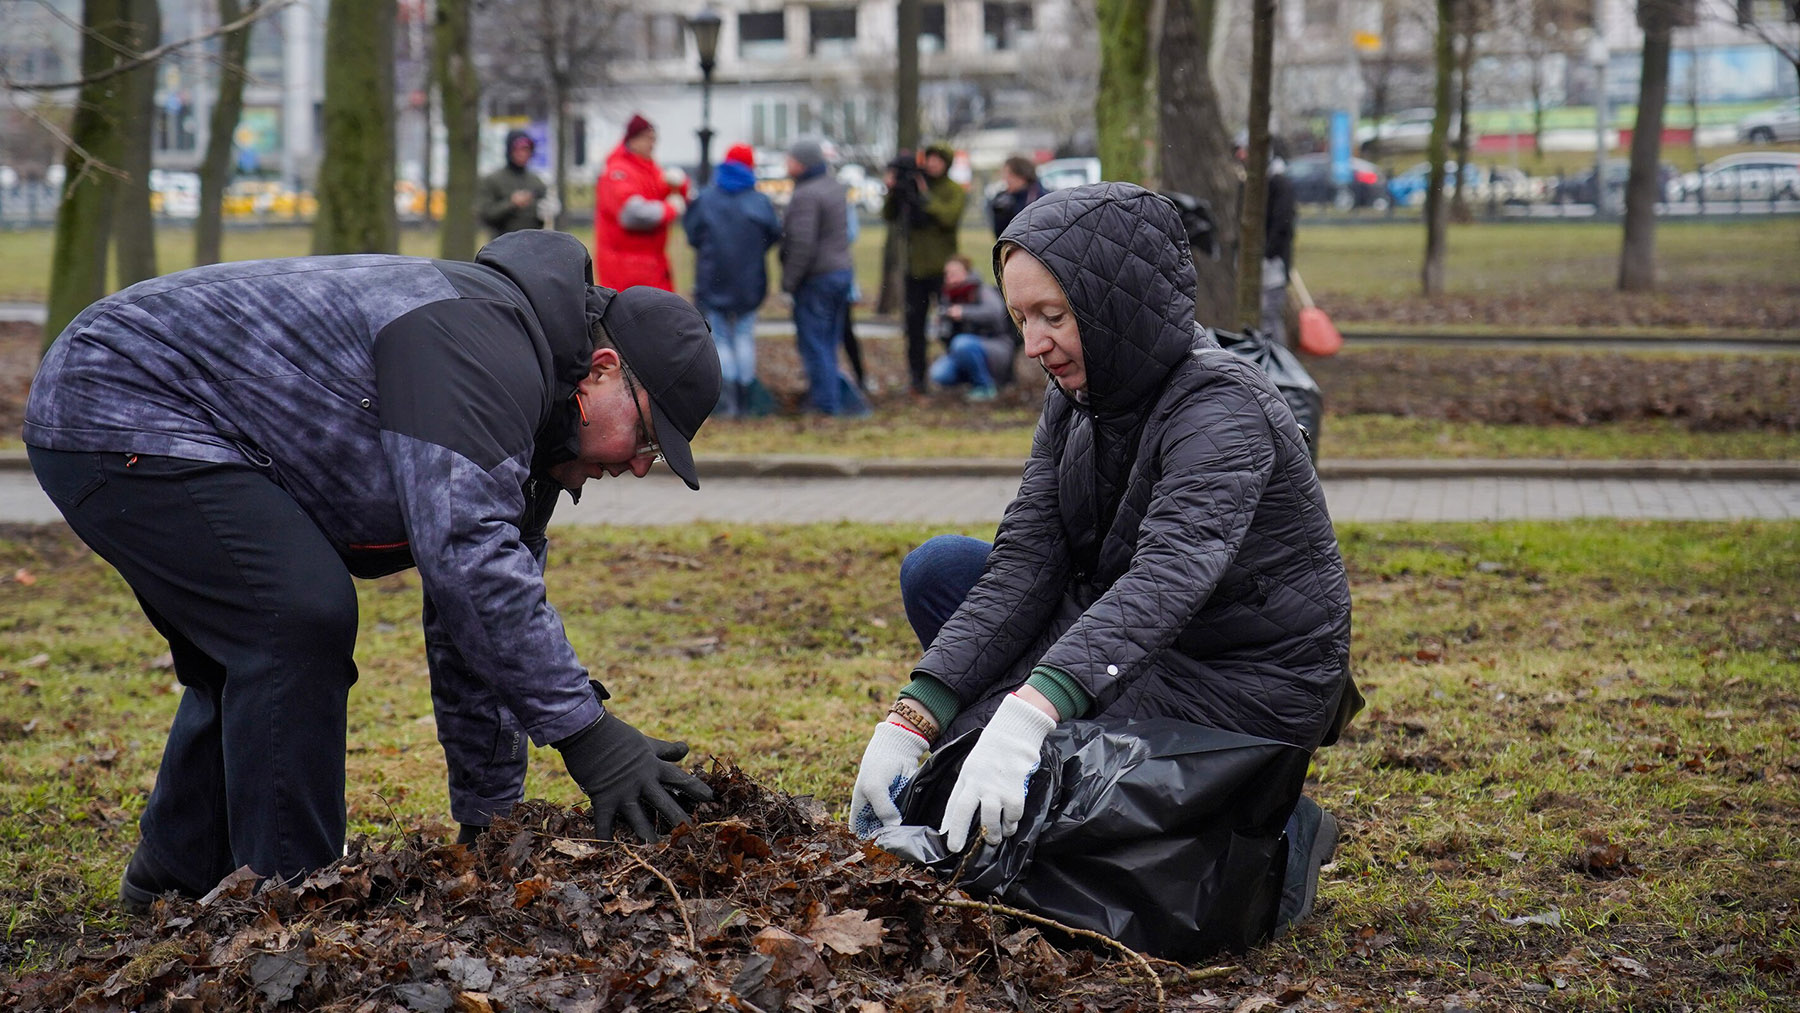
x=762, y=904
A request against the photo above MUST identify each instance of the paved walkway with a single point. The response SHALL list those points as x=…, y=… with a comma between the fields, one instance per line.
x=980, y=499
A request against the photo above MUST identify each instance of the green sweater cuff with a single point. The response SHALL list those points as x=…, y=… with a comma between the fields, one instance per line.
x=1061, y=689
x=938, y=698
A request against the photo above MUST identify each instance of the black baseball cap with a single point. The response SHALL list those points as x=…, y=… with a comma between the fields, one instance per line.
x=669, y=348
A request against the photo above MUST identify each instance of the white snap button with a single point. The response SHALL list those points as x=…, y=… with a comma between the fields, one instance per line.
x=1112, y=670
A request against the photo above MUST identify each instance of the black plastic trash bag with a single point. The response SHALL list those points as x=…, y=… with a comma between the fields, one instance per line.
x=1166, y=837
x=1291, y=378
x=1197, y=222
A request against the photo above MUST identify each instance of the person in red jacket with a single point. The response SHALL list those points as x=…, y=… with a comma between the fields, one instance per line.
x=635, y=202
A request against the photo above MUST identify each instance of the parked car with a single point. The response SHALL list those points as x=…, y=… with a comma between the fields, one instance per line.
x=1481, y=184
x=1062, y=173
x=1406, y=130
x=174, y=194
x=1580, y=189
x=1745, y=176
x=1311, y=176
x=1771, y=125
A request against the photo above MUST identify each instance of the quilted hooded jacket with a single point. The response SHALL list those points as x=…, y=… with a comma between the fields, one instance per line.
x=402, y=402
x=1169, y=547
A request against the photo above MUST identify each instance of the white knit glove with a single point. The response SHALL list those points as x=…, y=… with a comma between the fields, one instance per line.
x=889, y=762
x=679, y=203
x=993, y=779
x=676, y=177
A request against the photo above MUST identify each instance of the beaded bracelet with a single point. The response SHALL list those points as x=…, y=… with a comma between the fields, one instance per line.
x=915, y=716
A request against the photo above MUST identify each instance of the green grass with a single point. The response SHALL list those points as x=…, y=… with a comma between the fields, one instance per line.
x=1528, y=684
x=25, y=253
x=1498, y=260
x=1525, y=258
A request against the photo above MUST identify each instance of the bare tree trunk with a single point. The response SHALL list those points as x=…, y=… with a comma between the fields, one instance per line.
x=1637, y=258
x=1197, y=150
x=134, y=229
x=906, y=77
x=1431, y=273
x=1256, y=165
x=453, y=68
x=559, y=122
x=228, y=106
x=1537, y=104
x=1459, y=203
x=356, y=172
x=909, y=19
x=1124, y=120
x=84, y=216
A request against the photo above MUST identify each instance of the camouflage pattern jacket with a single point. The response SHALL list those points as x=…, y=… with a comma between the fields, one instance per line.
x=409, y=406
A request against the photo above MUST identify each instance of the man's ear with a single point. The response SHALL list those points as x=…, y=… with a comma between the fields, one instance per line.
x=605, y=360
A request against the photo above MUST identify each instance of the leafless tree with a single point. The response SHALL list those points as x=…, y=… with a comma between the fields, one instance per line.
x=1431, y=272
x=556, y=49
x=1637, y=257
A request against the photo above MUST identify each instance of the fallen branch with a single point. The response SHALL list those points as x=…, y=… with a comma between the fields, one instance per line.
x=1143, y=962
x=680, y=907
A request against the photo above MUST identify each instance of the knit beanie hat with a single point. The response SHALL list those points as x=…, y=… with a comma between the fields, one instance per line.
x=742, y=154
x=808, y=152
x=637, y=126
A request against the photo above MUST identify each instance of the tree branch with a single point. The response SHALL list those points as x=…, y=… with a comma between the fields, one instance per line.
x=133, y=62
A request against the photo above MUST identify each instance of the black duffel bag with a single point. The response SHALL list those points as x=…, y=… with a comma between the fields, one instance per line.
x=1164, y=835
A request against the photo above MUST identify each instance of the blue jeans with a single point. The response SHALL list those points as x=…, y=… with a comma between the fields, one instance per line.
x=819, y=305
x=965, y=362
x=936, y=577
x=734, y=335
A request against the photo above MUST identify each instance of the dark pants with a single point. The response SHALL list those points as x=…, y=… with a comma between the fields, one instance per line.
x=853, y=347
x=260, y=617
x=920, y=293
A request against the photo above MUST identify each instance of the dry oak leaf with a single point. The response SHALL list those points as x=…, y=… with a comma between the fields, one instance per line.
x=848, y=932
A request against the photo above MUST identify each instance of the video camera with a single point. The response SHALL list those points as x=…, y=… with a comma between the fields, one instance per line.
x=905, y=169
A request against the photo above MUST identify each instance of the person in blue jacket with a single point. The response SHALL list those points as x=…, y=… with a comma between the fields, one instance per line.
x=731, y=227
x=239, y=440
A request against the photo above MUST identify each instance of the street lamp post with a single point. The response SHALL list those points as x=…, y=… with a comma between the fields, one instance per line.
x=705, y=26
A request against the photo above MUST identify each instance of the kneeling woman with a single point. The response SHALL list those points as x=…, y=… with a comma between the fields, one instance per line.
x=1168, y=555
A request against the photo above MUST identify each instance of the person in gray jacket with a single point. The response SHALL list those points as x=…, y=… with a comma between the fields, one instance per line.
x=1169, y=553
x=816, y=271
x=239, y=440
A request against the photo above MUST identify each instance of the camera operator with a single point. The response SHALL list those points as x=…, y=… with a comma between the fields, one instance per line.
x=927, y=205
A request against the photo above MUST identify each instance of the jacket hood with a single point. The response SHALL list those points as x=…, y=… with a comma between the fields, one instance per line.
x=554, y=271
x=1121, y=256
x=515, y=135
x=733, y=178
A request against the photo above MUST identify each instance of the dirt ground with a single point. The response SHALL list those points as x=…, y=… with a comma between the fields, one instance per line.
x=1710, y=392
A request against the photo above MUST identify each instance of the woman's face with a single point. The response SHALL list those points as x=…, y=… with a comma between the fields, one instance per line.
x=1037, y=305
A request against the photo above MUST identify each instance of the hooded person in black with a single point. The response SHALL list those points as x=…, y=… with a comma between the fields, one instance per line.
x=1169, y=553
x=510, y=196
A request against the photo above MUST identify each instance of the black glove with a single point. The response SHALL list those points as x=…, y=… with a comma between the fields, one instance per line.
x=622, y=770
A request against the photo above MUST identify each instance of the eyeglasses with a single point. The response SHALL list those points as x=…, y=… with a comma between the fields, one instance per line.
x=646, y=445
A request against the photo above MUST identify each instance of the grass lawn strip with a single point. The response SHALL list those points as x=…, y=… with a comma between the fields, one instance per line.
x=1734, y=275
x=1574, y=785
